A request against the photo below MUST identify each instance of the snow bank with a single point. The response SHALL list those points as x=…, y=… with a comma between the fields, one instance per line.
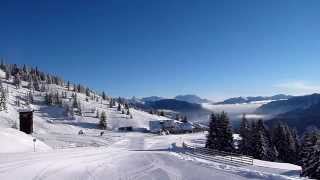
x=13, y=141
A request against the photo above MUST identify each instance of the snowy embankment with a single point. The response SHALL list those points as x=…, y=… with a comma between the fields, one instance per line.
x=13, y=141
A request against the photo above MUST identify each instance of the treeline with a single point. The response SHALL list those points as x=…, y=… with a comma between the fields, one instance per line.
x=279, y=143
x=67, y=98
x=38, y=80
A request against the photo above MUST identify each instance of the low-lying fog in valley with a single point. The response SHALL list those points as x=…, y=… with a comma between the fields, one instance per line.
x=236, y=111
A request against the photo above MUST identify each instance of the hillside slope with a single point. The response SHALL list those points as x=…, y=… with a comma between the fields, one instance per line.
x=299, y=102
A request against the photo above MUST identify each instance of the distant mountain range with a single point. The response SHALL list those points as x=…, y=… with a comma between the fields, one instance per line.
x=193, y=111
x=190, y=98
x=241, y=100
x=174, y=105
x=151, y=99
x=300, y=119
x=294, y=103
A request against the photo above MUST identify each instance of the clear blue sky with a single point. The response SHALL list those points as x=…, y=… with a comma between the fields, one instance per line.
x=215, y=49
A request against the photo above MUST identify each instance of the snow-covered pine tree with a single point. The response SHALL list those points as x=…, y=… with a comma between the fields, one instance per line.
x=36, y=85
x=75, y=103
x=68, y=85
x=225, y=133
x=310, y=155
x=103, y=120
x=2, y=65
x=30, y=84
x=286, y=143
x=212, y=134
x=49, y=99
x=245, y=133
x=263, y=148
x=98, y=114
x=30, y=97
x=184, y=119
x=220, y=134
x=88, y=92
x=17, y=81
x=177, y=117
x=3, y=98
x=57, y=98
x=126, y=105
x=119, y=107
x=104, y=97
x=8, y=76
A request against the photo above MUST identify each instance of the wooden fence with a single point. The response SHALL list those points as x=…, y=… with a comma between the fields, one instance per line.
x=218, y=156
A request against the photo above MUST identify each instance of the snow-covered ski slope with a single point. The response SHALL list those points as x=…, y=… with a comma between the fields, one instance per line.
x=136, y=156
x=63, y=154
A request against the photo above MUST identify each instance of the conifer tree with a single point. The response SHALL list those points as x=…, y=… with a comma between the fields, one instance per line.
x=310, y=155
x=119, y=107
x=111, y=103
x=75, y=103
x=104, y=97
x=263, y=148
x=220, y=134
x=184, y=119
x=88, y=92
x=3, y=98
x=285, y=141
x=68, y=85
x=2, y=65
x=103, y=120
x=161, y=113
x=98, y=114
x=212, y=134
x=245, y=133
x=17, y=81
x=30, y=97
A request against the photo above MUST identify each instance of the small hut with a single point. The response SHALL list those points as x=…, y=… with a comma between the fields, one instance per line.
x=26, y=121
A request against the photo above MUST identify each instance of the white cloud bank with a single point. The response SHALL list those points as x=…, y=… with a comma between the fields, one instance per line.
x=298, y=87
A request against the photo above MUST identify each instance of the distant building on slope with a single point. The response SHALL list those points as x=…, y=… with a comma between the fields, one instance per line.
x=157, y=126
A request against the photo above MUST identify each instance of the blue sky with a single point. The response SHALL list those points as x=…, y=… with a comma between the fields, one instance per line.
x=215, y=49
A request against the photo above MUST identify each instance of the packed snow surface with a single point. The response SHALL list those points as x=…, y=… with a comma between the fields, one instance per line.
x=135, y=156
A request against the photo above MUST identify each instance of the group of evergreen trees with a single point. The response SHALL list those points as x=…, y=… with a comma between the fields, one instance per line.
x=3, y=98
x=310, y=154
x=156, y=112
x=40, y=81
x=220, y=135
x=280, y=143
x=256, y=140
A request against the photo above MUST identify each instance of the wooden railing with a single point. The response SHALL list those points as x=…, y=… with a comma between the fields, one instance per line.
x=219, y=156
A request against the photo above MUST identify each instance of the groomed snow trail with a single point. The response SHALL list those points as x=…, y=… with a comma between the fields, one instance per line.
x=126, y=159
